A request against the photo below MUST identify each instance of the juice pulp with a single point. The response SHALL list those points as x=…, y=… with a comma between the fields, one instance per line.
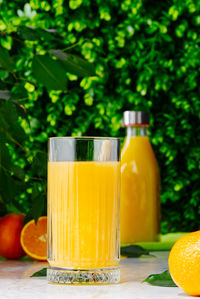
x=140, y=183
x=83, y=209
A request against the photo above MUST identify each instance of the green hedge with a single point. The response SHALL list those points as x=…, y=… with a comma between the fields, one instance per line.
x=146, y=55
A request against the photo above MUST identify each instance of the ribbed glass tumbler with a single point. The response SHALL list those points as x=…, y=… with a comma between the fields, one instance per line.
x=83, y=210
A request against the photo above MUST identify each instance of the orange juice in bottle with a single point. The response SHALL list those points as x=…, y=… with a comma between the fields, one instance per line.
x=140, y=183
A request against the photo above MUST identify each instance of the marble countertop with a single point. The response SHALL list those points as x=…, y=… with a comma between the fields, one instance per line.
x=15, y=282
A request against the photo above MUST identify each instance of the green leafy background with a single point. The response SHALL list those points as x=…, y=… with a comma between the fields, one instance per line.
x=145, y=55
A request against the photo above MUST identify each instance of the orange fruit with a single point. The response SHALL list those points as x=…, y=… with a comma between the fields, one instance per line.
x=10, y=230
x=34, y=239
x=184, y=263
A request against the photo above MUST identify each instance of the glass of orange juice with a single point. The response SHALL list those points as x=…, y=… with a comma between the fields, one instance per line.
x=83, y=210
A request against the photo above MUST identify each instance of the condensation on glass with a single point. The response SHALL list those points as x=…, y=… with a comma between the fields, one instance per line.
x=83, y=210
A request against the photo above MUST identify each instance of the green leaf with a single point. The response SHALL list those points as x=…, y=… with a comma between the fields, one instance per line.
x=134, y=251
x=18, y=95
x=39, y=165
x=34, y=34
x=162, y=280
x=2, y=258
x=9, y=124
x=37, y=206
x=28, y=217
x=6, y=164
x=3, y=204
x=49, y=72
x=5, y=159
x=74, y=64
x=165, y=242
x=26, y=258
x=42, y=272
x=47, y=34
x=3, y=137
x=18, y=92
x=18, y=172
x=14, y=97
x=15, y=207
x=21, y=110
x=6, y=61
x=8, y=186
x=11, y=177
x=28, y=33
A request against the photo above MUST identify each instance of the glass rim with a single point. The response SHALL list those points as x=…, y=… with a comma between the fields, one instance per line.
x=85, y=138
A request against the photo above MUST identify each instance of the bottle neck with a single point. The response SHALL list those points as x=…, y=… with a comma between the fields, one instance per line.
x=137, y=131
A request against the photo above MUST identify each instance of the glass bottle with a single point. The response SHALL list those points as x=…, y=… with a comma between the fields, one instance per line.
x=140, y=183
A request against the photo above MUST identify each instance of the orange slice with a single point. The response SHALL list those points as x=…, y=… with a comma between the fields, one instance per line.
x=34, y=239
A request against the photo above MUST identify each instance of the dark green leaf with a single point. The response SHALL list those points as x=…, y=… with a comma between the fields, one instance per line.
x=6, y=61
x=5, y=162
x=5, y=159
x=5, y=94
x=49, y=72
x=3, y=137
x=8, y=186
x=2, y=258
x=37, y=206
x=21, y=111
x=34, y=34
x=39, y=164
x=42, y=272
x=28, y=33
x=9, y=124
x=48, y=34
x=28, y=217
x=18, y=172
x=134, y=251
x=26, y=258
x=18, y=92
x=3, y=204
x=162, y=280
x=74, y=64
x=15, y=207
x=18, y=95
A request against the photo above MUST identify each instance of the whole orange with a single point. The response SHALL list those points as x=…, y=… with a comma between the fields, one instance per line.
x=10, y=231
x=184, y=263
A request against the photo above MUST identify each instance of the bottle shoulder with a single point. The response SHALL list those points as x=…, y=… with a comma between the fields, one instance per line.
x=139, y=150
x=136, y=145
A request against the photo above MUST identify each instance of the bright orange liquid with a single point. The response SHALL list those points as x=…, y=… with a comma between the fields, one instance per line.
x=83, y=209
x=139, y=205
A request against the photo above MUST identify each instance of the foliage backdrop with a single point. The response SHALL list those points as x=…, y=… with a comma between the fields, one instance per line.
x=146, y=56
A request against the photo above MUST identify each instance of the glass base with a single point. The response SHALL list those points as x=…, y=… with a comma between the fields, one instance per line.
x=93, y=276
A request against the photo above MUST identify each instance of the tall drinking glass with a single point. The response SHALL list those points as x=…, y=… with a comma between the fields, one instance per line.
x=83, y=210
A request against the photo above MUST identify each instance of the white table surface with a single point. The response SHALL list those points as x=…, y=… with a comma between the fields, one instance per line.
x=15, y=282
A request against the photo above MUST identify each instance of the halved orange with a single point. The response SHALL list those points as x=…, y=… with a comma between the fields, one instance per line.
x=34, y=239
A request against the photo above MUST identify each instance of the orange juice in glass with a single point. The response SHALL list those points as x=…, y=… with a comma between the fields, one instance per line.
x=83, y=210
